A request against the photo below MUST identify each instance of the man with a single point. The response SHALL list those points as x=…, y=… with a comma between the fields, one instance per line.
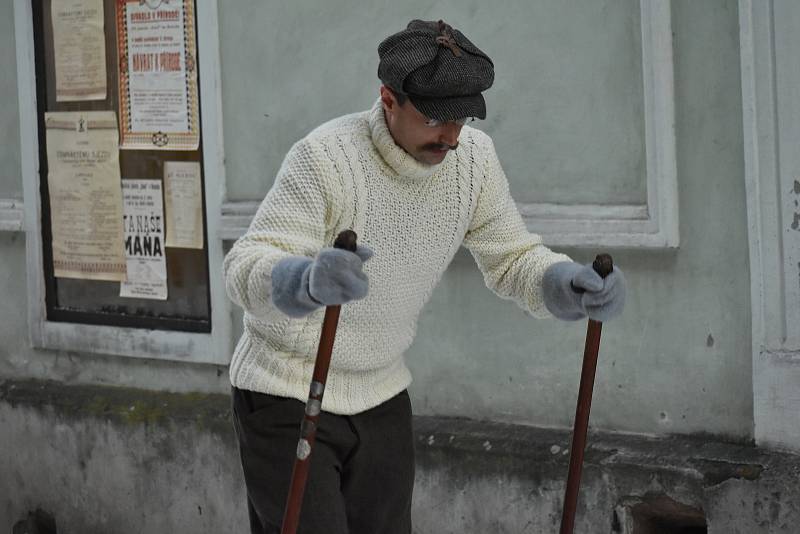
x=415, y=183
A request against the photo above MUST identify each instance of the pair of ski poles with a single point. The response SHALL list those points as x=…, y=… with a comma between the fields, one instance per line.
x=603, y=265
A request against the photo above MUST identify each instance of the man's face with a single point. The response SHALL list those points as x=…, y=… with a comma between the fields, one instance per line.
x=407, y=125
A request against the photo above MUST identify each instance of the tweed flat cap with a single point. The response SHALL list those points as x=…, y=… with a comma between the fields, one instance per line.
x=438, y=68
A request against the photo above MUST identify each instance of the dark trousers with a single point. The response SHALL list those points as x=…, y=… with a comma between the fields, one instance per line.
x=362, y=466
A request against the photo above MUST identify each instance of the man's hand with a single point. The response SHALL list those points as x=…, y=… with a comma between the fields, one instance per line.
x=573, y=291
x=300, y=285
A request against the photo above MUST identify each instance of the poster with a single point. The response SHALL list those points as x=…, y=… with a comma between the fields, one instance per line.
x=184, y=204
x=158, y=75
x=143, y=222
x=85, y=195
x=80, y=49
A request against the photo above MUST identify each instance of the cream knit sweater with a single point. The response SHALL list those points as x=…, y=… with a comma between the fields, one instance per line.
x=349, y=173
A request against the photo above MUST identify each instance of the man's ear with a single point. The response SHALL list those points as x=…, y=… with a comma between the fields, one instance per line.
x=387, y=99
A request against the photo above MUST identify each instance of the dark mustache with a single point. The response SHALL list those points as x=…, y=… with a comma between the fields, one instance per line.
x=438, y=146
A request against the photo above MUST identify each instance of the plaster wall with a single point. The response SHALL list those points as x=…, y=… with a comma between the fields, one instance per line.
x=678, y=360
x=10, y=184
x=108, y=459
x=771, y=125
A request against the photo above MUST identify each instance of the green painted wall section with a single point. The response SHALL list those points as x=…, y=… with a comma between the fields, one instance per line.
x=565, y=111
x=10, y=175
x=679, y=358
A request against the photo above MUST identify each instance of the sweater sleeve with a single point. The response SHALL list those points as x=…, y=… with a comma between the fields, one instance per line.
x=512, y=260
x=293, y=220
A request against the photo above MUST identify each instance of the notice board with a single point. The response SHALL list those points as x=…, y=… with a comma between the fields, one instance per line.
x=125, y=72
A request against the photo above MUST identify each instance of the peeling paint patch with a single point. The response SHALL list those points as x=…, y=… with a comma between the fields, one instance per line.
x=716, y=472
x=796, y=215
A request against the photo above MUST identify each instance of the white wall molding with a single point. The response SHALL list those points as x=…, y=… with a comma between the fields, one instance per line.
x=214, y=347
x=12, y=217
x=236, y=217
x=771, y=122
x=583, y=220
x=650, y=225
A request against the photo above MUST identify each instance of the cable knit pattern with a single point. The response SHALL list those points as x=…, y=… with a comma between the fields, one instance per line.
x=349, y=173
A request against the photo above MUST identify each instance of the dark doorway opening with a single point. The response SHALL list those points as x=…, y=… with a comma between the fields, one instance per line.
x=658, y=514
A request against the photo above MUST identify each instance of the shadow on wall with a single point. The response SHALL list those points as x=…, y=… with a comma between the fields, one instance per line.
x=38, y=522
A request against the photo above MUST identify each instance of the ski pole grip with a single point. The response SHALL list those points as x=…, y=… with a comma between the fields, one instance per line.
x=347, y=240
x=603, y=265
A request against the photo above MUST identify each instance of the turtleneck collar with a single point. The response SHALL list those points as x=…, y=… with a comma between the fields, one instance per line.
x=395, y=156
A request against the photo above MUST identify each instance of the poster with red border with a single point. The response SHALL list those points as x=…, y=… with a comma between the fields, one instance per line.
x=158, y=95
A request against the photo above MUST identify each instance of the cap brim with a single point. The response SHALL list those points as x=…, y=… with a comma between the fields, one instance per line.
x=451, y=108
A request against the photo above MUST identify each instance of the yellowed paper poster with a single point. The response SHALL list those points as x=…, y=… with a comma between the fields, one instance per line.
x=184, y=204
x=83, y=181
x=80, y=49
x=158, y=95
x=143, y=221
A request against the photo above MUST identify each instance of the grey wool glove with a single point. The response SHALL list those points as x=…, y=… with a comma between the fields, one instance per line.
x=300, y=285
x=573, y=291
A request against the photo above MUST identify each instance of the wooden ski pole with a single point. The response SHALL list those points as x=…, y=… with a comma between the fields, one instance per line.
x=308, y=429
x=603, y=265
